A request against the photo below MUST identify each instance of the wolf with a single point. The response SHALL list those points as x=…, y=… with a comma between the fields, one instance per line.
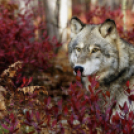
x=99, y=50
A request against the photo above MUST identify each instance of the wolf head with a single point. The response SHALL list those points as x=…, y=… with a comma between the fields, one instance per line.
x=93, y=49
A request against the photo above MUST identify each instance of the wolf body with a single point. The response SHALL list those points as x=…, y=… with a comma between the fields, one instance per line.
x=98, y=49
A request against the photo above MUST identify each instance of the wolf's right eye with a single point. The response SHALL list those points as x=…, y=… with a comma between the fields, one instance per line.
x=95, y=50
x=78, y=49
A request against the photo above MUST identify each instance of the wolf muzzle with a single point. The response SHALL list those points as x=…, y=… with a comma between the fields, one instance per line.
x=78, y=68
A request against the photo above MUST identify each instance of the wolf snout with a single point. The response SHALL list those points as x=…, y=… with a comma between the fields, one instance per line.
x=78, y=68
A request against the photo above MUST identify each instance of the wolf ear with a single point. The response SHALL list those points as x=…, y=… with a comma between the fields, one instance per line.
x=76, y=26
x=108, y=28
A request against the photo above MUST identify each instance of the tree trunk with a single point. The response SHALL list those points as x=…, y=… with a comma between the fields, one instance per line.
x=93, y=3
x=57, y=14
x=124, y=13
x=23, y=5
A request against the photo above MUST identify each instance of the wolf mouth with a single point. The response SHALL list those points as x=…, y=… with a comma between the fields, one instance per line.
x=83, y=75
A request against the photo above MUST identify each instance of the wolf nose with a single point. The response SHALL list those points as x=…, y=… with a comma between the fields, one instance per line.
x=78, y=68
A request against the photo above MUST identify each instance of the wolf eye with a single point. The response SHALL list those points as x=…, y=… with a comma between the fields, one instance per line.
x=78, y=49
x=95, y=50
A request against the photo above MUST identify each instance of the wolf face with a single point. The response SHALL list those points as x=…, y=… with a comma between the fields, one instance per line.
x=92, y=48
x=98, y=49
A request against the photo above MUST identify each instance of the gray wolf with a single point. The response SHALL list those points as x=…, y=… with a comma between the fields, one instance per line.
x=98, y=49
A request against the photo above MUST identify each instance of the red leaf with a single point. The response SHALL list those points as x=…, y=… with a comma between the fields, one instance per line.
x=62, y=130
x=79, y=96
x=54, y=123
x=97, y=86
x=108, y=93
x=41, y=122
x=16, y=130
x=11, y=116
x=127, y=83
x=65, y=110
x=93, y=97
x=110, y=112
x=71, y=119
x=34, y=95
x=30, y=80
x=48, y=120
x=121, y=108
x=37, y=116
x=115, y=118
x=45, y=101
x=84, y=102
x=90, y=78
x=32, y=132
x=126, y=108
x=123, y=122
x=4, y=126
x=24, y=80
x=48, y=100
x=114, y=104
x=90, y=89
x=60, y=103
x=23, y=50
x=127, y=91
x=59, y=117
x=56, y=110
x=131, y=97
x=32, y=61
x=98, y=91
x=28, y=116
x=78, y=78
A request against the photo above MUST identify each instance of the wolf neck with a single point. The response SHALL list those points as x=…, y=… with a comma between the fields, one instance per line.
x=114, y=78
x=125, y=70
x=123, y=51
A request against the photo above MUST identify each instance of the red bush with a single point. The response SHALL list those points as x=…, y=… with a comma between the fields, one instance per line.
x=18, y=41
x=82, y=112
x=86, y=109
x=100, y=14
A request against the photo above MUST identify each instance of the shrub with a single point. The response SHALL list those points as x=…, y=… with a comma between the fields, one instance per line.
x=82, y=112
x=18, y=41
x=100, y=14
x=34, y=112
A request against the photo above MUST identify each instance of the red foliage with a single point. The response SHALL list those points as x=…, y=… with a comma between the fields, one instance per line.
x=88, y=112
x=100, y=14
x=18, y=41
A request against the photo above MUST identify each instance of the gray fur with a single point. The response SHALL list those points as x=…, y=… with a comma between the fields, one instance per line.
x=113, y=62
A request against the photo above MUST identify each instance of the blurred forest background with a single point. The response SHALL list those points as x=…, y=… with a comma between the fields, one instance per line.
x=56, y=14
x=34, y=35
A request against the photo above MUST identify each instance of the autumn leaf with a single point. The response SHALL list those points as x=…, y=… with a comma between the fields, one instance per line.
x=131, y=97
x=54, y=123
x=65, y=110
x=127, y=83
x=108, y=93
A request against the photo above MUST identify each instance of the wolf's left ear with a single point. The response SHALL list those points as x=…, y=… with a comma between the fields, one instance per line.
x=108, y=28
x=76, y=26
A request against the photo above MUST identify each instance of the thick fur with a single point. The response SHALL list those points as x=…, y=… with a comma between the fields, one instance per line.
x=113, y=62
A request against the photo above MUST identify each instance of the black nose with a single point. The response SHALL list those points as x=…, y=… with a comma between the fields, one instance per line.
x=78, y=68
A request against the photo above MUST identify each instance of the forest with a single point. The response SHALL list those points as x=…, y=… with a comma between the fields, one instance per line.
x=39, y=94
